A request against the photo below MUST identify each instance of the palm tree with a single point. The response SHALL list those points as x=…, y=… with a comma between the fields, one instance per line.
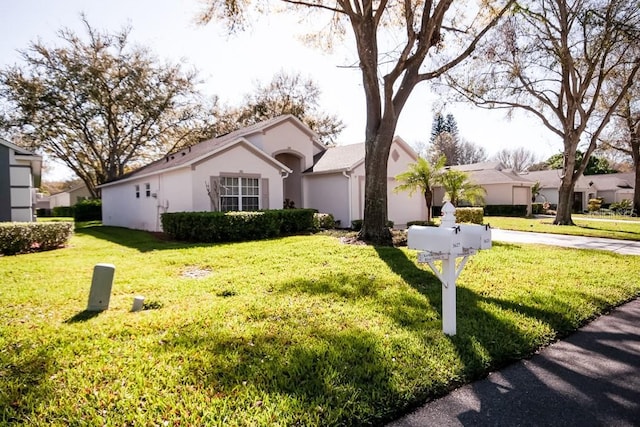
x=422, y=176
x=457, y=187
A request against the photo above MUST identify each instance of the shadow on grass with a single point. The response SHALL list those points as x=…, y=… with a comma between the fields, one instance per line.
x=330, y=377
x=624, y=235
x=82, y=316
x=143, y=241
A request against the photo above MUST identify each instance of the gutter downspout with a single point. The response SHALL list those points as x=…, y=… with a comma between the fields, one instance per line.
x=350, y=196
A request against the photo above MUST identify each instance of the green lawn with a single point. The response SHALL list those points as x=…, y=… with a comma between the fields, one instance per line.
x=301, y=330
x=585, y=226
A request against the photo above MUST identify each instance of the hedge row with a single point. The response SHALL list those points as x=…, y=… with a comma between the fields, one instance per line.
x=236, y=226
x=472, y=215
x=21, y=237
x=506, y=210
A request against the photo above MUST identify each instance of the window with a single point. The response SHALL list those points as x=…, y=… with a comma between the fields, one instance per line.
x=147, y=189
x=239, y=194
x=137, y=191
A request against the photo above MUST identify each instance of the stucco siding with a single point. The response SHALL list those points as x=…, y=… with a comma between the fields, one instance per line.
x=286, y=137
x=329, y=193
x=403, y=208
x=239, y=160
x=121, y=207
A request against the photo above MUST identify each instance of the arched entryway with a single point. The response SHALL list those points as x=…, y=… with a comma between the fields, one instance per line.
x=292, y=190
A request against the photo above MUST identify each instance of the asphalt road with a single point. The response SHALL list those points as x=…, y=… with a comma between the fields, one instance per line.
x=626, y=247
x=592, y=378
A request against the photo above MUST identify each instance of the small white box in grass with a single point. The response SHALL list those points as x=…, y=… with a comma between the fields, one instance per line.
x=138, y=303
x=101, y=284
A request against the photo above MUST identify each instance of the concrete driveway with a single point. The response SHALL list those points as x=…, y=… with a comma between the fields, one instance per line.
x=625, y=247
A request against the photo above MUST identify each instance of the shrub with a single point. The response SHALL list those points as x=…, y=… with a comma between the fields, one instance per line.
x=621, y=207
x=88, y=210
x=43, y=213
x=506, y=210
x=537, y=208
x=294, y=220
x=236, y=226
x=21, y=237
x=59, y=211
x=323, y=221
x=594, y=205
x=472, y=215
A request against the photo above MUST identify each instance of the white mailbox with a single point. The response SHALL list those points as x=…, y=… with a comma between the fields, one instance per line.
x=446, y=243
x=475, y=236
x=444, y=240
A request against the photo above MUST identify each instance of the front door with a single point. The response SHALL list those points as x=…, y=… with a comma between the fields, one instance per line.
x=577, y=202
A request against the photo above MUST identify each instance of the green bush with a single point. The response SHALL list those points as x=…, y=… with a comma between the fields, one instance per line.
x=88, y=210
x=323, y=221
x=62, y=211
x=472, y=215
x=236, y=226
x=621, y=207
x=294, y=220
x=21, y=237
x=537, y=208
x=506, y=210
x=594, y=205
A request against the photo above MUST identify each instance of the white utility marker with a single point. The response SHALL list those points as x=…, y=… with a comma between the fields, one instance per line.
x=101, y=284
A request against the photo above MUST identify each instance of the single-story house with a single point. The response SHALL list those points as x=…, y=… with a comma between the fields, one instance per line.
x=69, y=197
x=264, y=166
x=611, y=188
x=20, y=173
x=503, y=186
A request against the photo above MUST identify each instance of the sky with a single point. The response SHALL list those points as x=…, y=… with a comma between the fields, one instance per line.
x=229, y=66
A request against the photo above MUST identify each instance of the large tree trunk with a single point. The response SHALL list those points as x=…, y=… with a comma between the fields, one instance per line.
x=565, y=203
x=374, y=227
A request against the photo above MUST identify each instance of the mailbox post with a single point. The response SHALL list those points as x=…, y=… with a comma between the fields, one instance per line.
x=447, y=243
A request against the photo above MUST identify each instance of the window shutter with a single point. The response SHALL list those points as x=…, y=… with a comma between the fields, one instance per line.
x=264, y=188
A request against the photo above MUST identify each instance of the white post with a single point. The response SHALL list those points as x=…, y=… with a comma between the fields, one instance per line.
x=449, y=276
x=449, y=295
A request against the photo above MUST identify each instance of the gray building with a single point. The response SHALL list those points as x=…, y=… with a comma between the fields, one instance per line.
x=20, y=172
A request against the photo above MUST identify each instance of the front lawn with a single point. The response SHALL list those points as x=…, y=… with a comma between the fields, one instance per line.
x=613, y=229
x=301, y=330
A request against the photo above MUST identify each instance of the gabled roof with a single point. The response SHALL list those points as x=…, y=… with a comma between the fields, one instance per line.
x=612, y=182
x=551, y=179
x=486, y=173
x=208, y=148
x=17, y=149
x=339, y=158
x=347, y=157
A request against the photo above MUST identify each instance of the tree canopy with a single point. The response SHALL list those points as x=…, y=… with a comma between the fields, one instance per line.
x=458, y=188
x=555, y=59
x=285, y=94
x=519, y=159
x=422, y=176
x=446, y=142
x=100, y=105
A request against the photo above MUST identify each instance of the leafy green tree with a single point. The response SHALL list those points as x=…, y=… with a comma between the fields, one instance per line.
x=446, y=141
x=398, y=46
x=285, y=94
x=458, y=188
x=99, y=105
x=422, y=176
x=595, y=166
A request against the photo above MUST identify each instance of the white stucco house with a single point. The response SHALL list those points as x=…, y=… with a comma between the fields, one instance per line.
x=503, y=186
x=69, y=197
x=20, y=172
x=612, y=188
x=257, y=167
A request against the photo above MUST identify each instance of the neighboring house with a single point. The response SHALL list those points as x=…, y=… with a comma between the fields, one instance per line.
x=503, y=186
x=69, y=197
x=20, y=172
x=257, y=167
x=611, y=187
